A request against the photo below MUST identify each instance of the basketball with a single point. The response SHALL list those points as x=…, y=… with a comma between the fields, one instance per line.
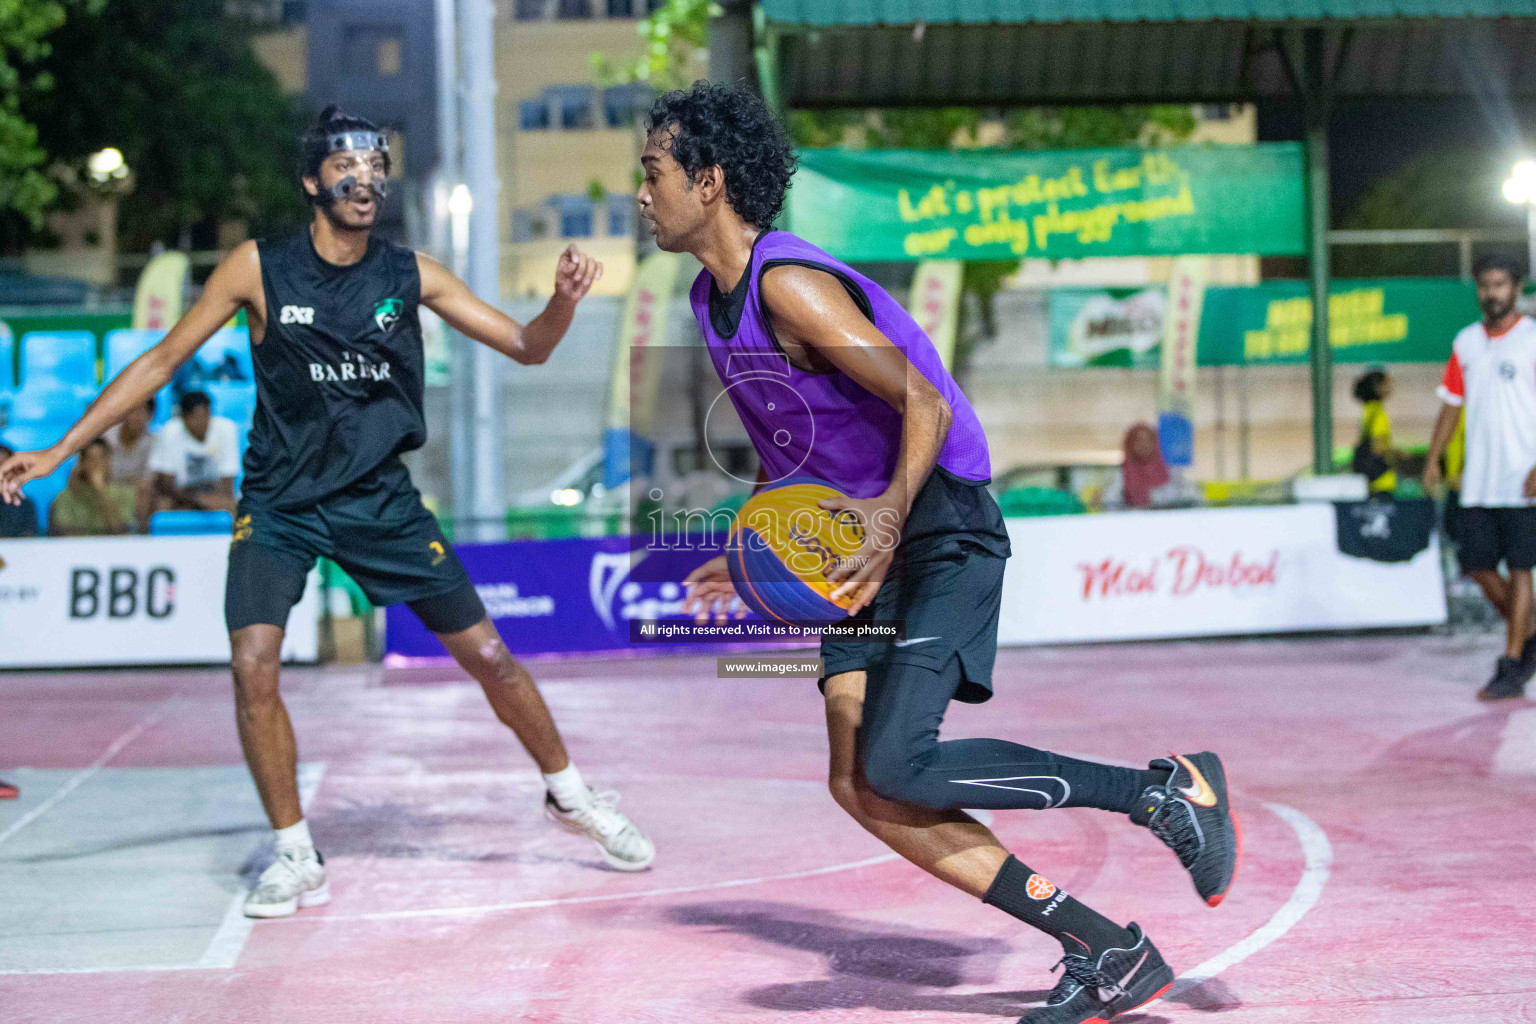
x=782, y=546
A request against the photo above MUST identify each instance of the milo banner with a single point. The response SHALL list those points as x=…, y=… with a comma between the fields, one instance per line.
x=1392, y=320
x=906, y=204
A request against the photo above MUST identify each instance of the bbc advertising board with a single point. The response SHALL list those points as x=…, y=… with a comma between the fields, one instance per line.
x=1204, y=572
x=126, y=601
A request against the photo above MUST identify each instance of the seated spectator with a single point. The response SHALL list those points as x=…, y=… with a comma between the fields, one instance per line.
x=131, y=444
x=1144, y=479
x=17, y=520
x=195, y=460
x=91, y=505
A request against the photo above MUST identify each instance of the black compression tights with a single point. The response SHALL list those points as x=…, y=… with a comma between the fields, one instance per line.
x=904, y=760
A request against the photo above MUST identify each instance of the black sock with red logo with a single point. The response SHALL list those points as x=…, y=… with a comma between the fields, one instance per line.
x=1037, y=902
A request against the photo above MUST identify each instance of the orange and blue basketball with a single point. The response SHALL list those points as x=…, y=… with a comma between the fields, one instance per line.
x=784, y=544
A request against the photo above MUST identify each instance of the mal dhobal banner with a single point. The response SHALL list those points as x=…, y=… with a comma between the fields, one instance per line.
x=909, y=204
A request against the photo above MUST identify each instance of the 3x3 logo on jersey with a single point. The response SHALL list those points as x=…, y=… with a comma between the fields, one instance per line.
x=296, y=315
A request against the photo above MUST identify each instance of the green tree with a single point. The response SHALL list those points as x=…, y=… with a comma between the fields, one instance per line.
x=675, y=34
x=25, y=190
x=175, y=85
x=1439, y=189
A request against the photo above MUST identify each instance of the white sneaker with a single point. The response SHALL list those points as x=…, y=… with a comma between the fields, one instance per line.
x=296, y=879
x=623, y=846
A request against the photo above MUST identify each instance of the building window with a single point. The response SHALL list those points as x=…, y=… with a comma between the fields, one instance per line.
x=621, y=216
x=575, y=213
x=529, y=225
x=533, y=115
x=621, y=8
x=576, y=222
x=388, y=56
x=530, y=10
x=622, y=104
x=371, y=51
x=573, y=103
x=573, y=9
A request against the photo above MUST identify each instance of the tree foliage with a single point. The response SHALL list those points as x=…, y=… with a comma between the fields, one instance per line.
x=1458, y=188
x=25, y=25
x=176, y=86
x=674, y=35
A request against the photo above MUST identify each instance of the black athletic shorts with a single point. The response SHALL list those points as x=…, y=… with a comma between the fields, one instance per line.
x=1487, y=536
x=377, y=530
x=946, y=584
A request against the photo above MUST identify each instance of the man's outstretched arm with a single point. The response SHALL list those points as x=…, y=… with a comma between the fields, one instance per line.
x=464, y=311
x=232, y=285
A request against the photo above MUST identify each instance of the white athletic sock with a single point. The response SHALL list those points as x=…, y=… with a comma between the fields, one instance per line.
x=294, y=837
x=567, y=787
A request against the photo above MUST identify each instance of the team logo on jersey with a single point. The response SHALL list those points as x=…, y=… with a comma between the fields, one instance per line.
x=296, y=315
x=242, y=529
x=1507, y=370
x=439, y=556
x=387, y=313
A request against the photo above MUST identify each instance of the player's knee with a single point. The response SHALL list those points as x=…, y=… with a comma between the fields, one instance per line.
x=845, y=791
x=891, y=776
x=256, y=674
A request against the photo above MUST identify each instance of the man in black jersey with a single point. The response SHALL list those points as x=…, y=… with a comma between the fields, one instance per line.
x=337, y=349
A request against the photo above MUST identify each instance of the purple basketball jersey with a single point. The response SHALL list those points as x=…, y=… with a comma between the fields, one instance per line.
x=825, y=425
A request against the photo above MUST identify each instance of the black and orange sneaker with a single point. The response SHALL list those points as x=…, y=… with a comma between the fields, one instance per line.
x=1190, y=814
x=1094, y=991
x=8, y=791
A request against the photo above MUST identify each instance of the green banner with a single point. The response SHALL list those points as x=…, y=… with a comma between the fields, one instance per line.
x=908, y=204
x=1386, y=320
x=1389, y=320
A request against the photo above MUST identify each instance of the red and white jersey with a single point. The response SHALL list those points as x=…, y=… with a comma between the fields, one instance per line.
x=1495, y=379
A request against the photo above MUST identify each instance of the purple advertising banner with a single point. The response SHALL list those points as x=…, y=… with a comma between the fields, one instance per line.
x=563, y=596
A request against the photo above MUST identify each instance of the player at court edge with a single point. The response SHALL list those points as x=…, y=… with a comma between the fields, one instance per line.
x=895, y=435
x=336, y=343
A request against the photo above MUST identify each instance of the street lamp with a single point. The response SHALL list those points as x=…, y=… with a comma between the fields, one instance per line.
x=1520, y=188
x=106, y=166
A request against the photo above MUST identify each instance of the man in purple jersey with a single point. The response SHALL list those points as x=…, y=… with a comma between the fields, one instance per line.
x=856, y=395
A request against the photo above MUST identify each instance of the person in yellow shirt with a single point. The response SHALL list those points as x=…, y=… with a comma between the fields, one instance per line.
x=1375, y=458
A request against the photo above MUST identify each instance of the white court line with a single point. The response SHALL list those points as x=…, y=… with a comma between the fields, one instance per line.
x=1317, y=854
x=1517, y=744
x=233, y=931
x=85, y=773
x=229, y=941
x=562, y=901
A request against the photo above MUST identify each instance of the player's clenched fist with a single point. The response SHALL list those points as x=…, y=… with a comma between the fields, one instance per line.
x=575, y=274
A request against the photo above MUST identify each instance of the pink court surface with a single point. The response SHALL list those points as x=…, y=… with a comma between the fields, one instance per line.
x=1389, y=871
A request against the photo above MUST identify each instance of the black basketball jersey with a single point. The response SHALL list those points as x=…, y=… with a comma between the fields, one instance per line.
x=338, y=373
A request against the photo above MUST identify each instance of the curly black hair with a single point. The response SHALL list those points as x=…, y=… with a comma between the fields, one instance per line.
x=731, y=126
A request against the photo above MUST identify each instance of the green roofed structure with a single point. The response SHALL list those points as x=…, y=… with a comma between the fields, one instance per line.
x=892, y=53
